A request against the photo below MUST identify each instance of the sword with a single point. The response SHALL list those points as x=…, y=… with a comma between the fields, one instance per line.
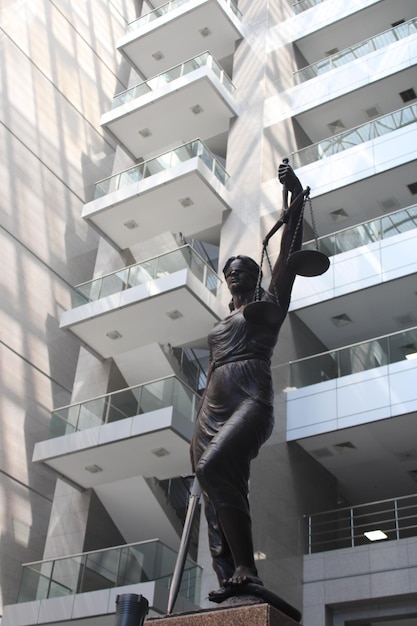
x=184, y=545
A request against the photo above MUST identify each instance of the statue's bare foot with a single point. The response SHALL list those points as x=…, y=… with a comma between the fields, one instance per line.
x=243, y=576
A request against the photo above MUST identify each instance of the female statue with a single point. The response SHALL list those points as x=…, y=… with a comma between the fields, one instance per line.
x=235, y=416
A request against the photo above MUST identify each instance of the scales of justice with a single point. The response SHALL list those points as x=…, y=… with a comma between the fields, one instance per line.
x=302, y=262
x=308, y=263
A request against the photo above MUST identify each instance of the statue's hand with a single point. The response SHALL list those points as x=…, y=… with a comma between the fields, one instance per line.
x=288, y=178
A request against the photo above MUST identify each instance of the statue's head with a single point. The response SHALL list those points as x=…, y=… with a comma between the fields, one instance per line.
x=242, y=274
x=244, y=263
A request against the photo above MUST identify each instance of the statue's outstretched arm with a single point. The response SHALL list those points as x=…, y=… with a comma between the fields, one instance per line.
x=283, y=277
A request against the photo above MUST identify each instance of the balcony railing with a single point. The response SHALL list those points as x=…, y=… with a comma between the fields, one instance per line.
x=170, y=6
x=353, y=359
x=202, y=60
x=145, y=271
x=355, y=136
x=303, y=5
x=357, y=51
x=119, y=405
x=105, y=569
x=346, y=527
x=366, y=233
x=160, y=163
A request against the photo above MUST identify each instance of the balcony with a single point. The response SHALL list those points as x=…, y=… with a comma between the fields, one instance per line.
x=198, y=90
x=83, y=586
x=357, y=51
x=357, y=384
x=354, y=412
x=370, y=578
x=385, y=145
x=143, y=430
x=373, y=268
x=155, y=39
x=353, y=137
x=349, y=527
x=184, y=190
x=173, y=295
x=367, y=233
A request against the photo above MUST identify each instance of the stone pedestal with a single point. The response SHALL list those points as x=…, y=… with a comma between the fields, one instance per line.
x=250, y=615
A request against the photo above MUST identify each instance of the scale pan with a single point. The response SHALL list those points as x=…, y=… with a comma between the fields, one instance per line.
x=308, y=262
x=259, y=312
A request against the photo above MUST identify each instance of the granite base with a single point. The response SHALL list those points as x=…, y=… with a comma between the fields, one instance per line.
x=260, y=614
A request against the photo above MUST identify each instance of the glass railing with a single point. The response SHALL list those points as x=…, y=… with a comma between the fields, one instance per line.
x=346, y=527
x=170, y=6
x=105, y=569
x=119, y=405
x=357, y=51
x=353, y=359
x=366, y=233
x=202, y=60
x=355, y=136
x=146, y=271
x=160, y=163
x=303, y=5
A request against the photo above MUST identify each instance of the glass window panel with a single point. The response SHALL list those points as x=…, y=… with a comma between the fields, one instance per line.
x=133, y=175
x=159, y=164
x=123, y=404
x=197, y=266
x=315, y=370
x=173, y=262
x=131, y=567
x=113, y=283
x=143, y=273
x=35, y=581
x=183, y=400
x=63, y=422
x=363, y=357
x=207, y=158
x=65, y=576
x=399, y=222
x=100, y=571
x=403, y=346
x=92, y=413
x=157, y=395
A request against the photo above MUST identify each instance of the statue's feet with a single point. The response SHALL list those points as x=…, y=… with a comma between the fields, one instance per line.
x=243, y=576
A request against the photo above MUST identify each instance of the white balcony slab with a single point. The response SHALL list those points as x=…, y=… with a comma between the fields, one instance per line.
x=356, y=399
x=221, y=27
x=122, y=449
x=140, y=315
x=153, y=111
x=340, y=81
x=399, y=147
x=366, y=266
x=84, y=606
x=160, y=195
x=313, y=20
x=22, y=614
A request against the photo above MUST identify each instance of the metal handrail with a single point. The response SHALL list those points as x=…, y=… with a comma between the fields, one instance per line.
x=394, y=516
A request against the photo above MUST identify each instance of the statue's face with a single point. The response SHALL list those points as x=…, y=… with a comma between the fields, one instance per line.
x=238, y=279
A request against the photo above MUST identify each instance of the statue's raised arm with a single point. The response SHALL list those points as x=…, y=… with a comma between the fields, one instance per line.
x=283, y=275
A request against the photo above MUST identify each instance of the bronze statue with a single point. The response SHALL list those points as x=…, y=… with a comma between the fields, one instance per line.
x=235, y=416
